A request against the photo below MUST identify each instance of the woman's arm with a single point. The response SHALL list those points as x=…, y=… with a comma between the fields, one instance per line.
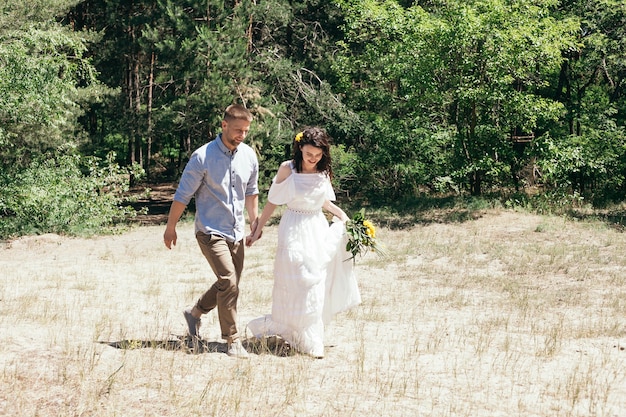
x=283, y=172
x=336, y=211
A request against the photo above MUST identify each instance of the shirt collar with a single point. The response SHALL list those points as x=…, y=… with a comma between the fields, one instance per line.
x=223, y=147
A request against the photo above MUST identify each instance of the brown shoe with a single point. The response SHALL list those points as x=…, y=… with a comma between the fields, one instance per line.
x=193, y=324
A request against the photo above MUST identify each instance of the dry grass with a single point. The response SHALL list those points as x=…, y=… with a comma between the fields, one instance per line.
x=507, y=315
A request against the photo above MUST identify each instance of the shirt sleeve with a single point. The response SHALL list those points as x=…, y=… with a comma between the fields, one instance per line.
x=282, y=193
x=190, y=181
x=252, y=187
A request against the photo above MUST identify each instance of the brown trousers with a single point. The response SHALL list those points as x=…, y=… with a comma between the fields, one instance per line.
x=226, y=260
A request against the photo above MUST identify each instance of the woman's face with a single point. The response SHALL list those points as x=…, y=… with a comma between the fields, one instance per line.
x=311, y=155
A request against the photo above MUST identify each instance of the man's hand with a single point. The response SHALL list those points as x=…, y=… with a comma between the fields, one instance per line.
x=250, y=239
x=253, y=237
x=169, y=237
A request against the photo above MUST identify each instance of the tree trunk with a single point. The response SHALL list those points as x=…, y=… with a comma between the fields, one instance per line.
x=149, y=115
x=134, y=104
x=476, y=183
x=131, y=138
x=136, y=112
x=476, y=177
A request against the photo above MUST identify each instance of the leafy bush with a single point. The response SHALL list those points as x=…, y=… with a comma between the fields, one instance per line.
x=345, y=164
x=63, y=193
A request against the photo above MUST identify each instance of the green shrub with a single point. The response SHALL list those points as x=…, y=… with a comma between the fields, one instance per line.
x=63, y=193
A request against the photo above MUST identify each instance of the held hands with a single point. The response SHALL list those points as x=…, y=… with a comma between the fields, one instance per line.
x=253, y=237
x=255, y=233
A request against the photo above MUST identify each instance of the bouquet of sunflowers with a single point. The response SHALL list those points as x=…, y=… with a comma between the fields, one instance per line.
x=361, y=236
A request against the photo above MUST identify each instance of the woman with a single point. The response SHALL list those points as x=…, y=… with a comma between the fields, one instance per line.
x=313, y=277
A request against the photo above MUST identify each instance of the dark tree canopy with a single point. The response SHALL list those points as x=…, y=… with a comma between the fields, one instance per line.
x=463, y=97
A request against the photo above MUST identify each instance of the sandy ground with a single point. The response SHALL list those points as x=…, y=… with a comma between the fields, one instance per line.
x=507, y=315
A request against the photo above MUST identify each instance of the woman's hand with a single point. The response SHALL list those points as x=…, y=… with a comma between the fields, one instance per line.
x=336, y=211
x=253, y=237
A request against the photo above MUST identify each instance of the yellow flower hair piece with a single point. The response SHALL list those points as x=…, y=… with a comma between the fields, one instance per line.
x=299, y=136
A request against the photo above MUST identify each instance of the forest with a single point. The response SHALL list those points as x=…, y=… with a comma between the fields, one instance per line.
x=522, y=101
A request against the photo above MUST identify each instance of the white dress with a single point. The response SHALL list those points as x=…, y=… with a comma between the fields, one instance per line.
x=313, y=275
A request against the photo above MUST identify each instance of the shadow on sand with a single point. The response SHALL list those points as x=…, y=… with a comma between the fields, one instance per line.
x=269, y=345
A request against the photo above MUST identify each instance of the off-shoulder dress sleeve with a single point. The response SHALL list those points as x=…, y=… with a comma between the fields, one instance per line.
x=282, y=193
x=330, y=193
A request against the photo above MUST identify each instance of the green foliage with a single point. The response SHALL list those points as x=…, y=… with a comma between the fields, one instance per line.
x=585, y=153
x=419, y=97
x=44, y=79
x=16, y=15
x=292, y=54
x=345, y=168
x=591, y=164
x=63, y=193
x=471, y=66
x=558, y=202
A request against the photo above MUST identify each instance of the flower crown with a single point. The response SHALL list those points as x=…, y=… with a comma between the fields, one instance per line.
x=298, y=137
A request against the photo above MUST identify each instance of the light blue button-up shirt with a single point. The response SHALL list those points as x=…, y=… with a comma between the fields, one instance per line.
x=220, y=180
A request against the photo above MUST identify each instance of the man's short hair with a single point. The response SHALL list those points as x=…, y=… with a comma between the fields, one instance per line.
x=237, y=112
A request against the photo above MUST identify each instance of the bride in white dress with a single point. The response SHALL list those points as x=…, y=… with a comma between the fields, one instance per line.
x=313, y=276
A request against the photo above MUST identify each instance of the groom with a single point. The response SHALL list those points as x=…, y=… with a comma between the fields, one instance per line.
x=222, y=175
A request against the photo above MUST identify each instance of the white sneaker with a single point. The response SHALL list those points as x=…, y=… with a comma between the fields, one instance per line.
x=236, y=350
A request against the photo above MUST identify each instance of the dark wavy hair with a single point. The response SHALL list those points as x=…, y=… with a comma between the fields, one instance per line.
x=319, y=138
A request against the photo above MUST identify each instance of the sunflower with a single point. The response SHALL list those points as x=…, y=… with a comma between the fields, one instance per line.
x=361, y=235
x=370, y=230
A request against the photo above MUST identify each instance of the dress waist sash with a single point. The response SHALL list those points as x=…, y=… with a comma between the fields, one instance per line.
x=298, y=211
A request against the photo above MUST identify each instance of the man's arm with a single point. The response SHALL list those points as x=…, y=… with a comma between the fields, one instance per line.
x=252, y=207
x=176, y=210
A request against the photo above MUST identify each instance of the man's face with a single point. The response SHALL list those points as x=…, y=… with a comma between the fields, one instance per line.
x=234, y=132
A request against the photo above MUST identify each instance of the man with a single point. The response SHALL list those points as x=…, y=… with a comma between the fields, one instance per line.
x=223, y=176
